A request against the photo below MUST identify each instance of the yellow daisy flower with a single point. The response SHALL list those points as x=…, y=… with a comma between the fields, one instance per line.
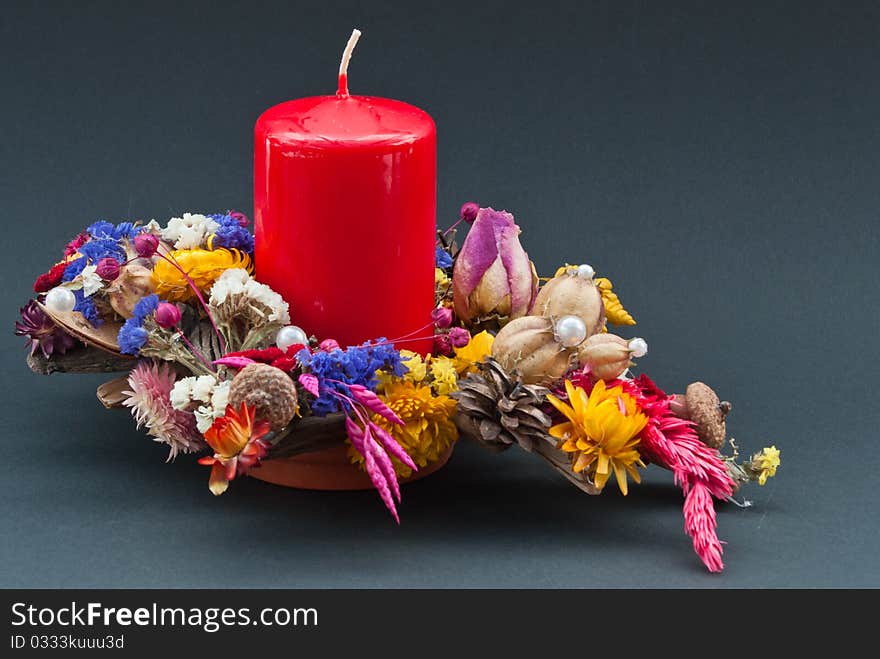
x=602, y=432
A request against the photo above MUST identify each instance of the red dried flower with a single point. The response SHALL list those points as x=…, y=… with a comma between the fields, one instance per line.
x=51, y=279
x=74, y=245
x=237, y=440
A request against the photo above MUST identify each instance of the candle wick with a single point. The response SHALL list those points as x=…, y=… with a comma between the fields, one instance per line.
x=342, y=89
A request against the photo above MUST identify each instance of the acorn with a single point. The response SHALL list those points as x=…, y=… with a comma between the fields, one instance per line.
x=573, y=292
x=701, y=405
x=608, y=355
x=530, y=347
x=269, y=390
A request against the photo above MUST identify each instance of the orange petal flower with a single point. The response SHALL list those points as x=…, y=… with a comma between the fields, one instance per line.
x=237, y=440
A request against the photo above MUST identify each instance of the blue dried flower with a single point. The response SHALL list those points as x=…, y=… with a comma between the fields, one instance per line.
x=132, y=335
x=354, y=365
x=231, y=234
x=74, y=268
x=86, y=306
x=442, y=258
x=99, y=248
x=104, y=229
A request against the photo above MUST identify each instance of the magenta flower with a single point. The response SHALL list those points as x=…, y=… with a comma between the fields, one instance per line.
x=167, y=315
x=493, y=276
x=146, y=244
x=107, y=268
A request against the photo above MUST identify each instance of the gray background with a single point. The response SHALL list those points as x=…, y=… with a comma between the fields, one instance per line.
x=719, y=162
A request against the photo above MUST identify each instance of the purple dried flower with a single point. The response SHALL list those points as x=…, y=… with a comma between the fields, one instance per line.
x=469, y=211
x=459, y=337
x=442, y=345
x=107, y=268
x=442, y=317
x=41, y=332
x=167, y=315
x=146, y=244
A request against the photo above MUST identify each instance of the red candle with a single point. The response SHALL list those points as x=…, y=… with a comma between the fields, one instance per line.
x=344, y=214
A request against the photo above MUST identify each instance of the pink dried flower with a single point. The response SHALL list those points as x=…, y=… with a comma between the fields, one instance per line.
x=167, y=315
x=459, y=337
x=146, y=244
x=373, y=403
x=107, y=268
x=443, y=346
x=150, y=403
x=329, y=345
x=442, y=317
x=310, y=383
x=469, y=211
x=240, y=217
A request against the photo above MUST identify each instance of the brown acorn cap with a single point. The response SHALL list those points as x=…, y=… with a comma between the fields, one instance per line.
x=708, y=413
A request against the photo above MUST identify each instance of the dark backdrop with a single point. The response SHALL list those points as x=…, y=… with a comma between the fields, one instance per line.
x=719, y=161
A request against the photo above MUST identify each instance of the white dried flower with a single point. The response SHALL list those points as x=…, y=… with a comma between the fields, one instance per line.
x=91, y=281
x=204, y=396
x=190, y=231
x=237, y=282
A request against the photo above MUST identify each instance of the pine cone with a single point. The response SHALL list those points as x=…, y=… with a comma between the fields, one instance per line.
x=269, y=390
x=498, y=411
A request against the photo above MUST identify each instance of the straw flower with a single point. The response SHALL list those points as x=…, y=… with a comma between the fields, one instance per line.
x=601, y=432
x=202, y=266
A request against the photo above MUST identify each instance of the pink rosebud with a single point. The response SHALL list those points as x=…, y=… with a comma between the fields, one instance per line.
x=442, y=345
x=146, y=244
x=241, y=218
x=459, y=337
x=167, y=315
x=493, y=276
x=328, y=345
x=469, y=211
x=107, y=268
x=442, y=317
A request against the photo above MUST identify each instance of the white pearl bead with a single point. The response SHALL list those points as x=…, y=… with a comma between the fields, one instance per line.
x=60, y=299
x=585, y=271
x=638, y=347
x=570, y=331
x=290, y=335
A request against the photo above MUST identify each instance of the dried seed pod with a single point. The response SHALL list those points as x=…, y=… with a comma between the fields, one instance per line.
x=269, y=390
x=529, y=347
x=701, y=405
x=133, y=283
x=572, y=293
x=607, y=355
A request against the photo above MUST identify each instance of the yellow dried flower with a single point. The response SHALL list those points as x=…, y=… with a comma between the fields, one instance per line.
x=614, y=311
x=766, y=463
x=418, y=369
x=201, y=265
x=476, y=350
x=428, y=429
x=445, y=377
x=601, y=432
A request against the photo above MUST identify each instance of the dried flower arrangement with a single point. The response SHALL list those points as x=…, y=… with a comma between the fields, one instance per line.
x=214, y=365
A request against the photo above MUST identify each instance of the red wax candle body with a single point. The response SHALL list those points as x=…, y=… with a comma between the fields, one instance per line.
x=344, y=214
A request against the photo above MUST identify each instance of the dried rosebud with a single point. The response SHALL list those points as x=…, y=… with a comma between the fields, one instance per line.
x=329, y=345
x=469, y=211
x=146, y=244
x=167, y=315
x=459, y=337
x=442, y=345
x=442, y=317
x=493, y=277
x=107, y=268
